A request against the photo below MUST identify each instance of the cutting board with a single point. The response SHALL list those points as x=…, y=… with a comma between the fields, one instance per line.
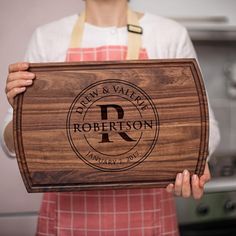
x=118, y=124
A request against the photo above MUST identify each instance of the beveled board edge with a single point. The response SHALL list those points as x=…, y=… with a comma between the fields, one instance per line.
x=203, y=152
x=95, y=186
x=20, y=156
x=67, y=66
x=93, y=65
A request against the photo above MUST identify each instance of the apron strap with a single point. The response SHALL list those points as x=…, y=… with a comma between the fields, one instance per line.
x=134, y=38
x=77, y=32
x=134, y=34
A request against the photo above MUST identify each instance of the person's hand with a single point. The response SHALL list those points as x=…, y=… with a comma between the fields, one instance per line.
x=18, y=79
x=187, y=186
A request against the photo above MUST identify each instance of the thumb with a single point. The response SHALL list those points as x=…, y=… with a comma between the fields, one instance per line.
x=205, y=177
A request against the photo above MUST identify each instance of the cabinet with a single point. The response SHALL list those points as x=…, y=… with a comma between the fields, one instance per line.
x=205, y=19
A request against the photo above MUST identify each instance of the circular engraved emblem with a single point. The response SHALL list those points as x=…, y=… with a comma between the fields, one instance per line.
x=112, y=125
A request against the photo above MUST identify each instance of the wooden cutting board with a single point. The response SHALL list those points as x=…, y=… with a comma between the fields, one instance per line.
x=99, y=125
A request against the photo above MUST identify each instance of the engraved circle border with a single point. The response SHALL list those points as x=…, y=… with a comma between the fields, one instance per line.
x=134, y=164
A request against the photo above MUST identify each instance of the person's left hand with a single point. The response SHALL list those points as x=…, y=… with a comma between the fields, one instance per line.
x=187, y=186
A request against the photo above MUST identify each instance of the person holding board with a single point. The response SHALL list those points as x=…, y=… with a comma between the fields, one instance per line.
x=108, y=30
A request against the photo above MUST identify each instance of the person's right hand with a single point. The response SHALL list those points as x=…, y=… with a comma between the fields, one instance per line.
x=18, y=79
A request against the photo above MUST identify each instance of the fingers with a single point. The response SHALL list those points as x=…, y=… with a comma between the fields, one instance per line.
x=20, y=66
x=186, y=185
x=203, y=180
x=170, y=188
x=197, y=190
x=20, y=75
x=178, y=184
x=198, y=183
x=182, y=185
x=18, y=79
x=205, y=177
x=12, y=93
x=17, y=84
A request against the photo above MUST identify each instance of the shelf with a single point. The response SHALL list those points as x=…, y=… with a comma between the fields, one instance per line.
x=222, y=184
x=212, y=34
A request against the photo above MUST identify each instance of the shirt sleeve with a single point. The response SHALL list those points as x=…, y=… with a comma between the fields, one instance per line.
x=7, y=119
x=34, y=53
x=186, y=50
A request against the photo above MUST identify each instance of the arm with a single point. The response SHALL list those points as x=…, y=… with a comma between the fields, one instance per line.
x=186, y=185
x=6, y=134
x=17, y=81
x=8, y=137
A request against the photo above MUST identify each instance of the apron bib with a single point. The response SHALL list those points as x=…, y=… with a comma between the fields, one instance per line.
x=133, y=212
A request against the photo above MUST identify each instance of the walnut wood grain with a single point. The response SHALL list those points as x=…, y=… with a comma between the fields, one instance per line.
x=99, y=125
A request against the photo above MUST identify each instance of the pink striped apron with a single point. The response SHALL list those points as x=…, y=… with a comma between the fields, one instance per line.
x=128, y=212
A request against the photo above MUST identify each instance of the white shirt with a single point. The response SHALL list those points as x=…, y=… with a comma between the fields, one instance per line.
x=162, y=38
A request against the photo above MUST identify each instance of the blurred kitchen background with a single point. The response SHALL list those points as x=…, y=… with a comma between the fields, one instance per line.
x=212, y=27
